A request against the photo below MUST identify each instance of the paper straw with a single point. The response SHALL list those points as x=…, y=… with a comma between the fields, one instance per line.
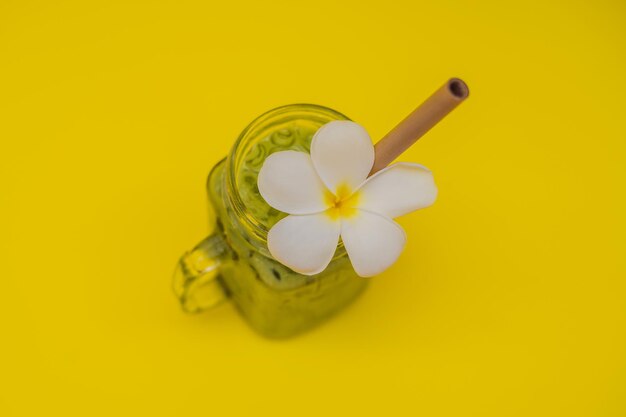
x=420, y=121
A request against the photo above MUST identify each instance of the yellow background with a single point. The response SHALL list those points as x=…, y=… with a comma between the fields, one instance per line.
x=509, y=299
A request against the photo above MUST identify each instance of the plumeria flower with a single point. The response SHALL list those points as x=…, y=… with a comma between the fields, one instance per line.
x=327, y=195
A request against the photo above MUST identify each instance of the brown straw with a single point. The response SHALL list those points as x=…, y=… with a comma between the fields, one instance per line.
x=420, y=121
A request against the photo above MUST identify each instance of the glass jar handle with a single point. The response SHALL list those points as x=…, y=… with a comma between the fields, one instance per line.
x=197, y=281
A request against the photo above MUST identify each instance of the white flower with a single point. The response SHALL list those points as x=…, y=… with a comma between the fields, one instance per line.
x=327, y=195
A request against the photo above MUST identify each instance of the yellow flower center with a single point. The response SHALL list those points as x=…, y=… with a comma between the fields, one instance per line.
x=342, y=203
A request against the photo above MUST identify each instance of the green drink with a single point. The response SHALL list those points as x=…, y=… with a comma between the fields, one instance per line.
x=235, y=262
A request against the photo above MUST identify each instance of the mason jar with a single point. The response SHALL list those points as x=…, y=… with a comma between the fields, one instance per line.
x=234, y=262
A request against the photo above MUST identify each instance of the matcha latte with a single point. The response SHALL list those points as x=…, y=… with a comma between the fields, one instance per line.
x=295, y=136
x=275, y=300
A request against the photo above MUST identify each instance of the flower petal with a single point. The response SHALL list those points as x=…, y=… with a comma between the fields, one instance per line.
x=342, y=154
x=373, y=242
x=306, y=243
x=398, y=189
x=289, y=183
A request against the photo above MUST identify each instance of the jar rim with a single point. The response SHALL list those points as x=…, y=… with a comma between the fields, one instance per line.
x=257, y=228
